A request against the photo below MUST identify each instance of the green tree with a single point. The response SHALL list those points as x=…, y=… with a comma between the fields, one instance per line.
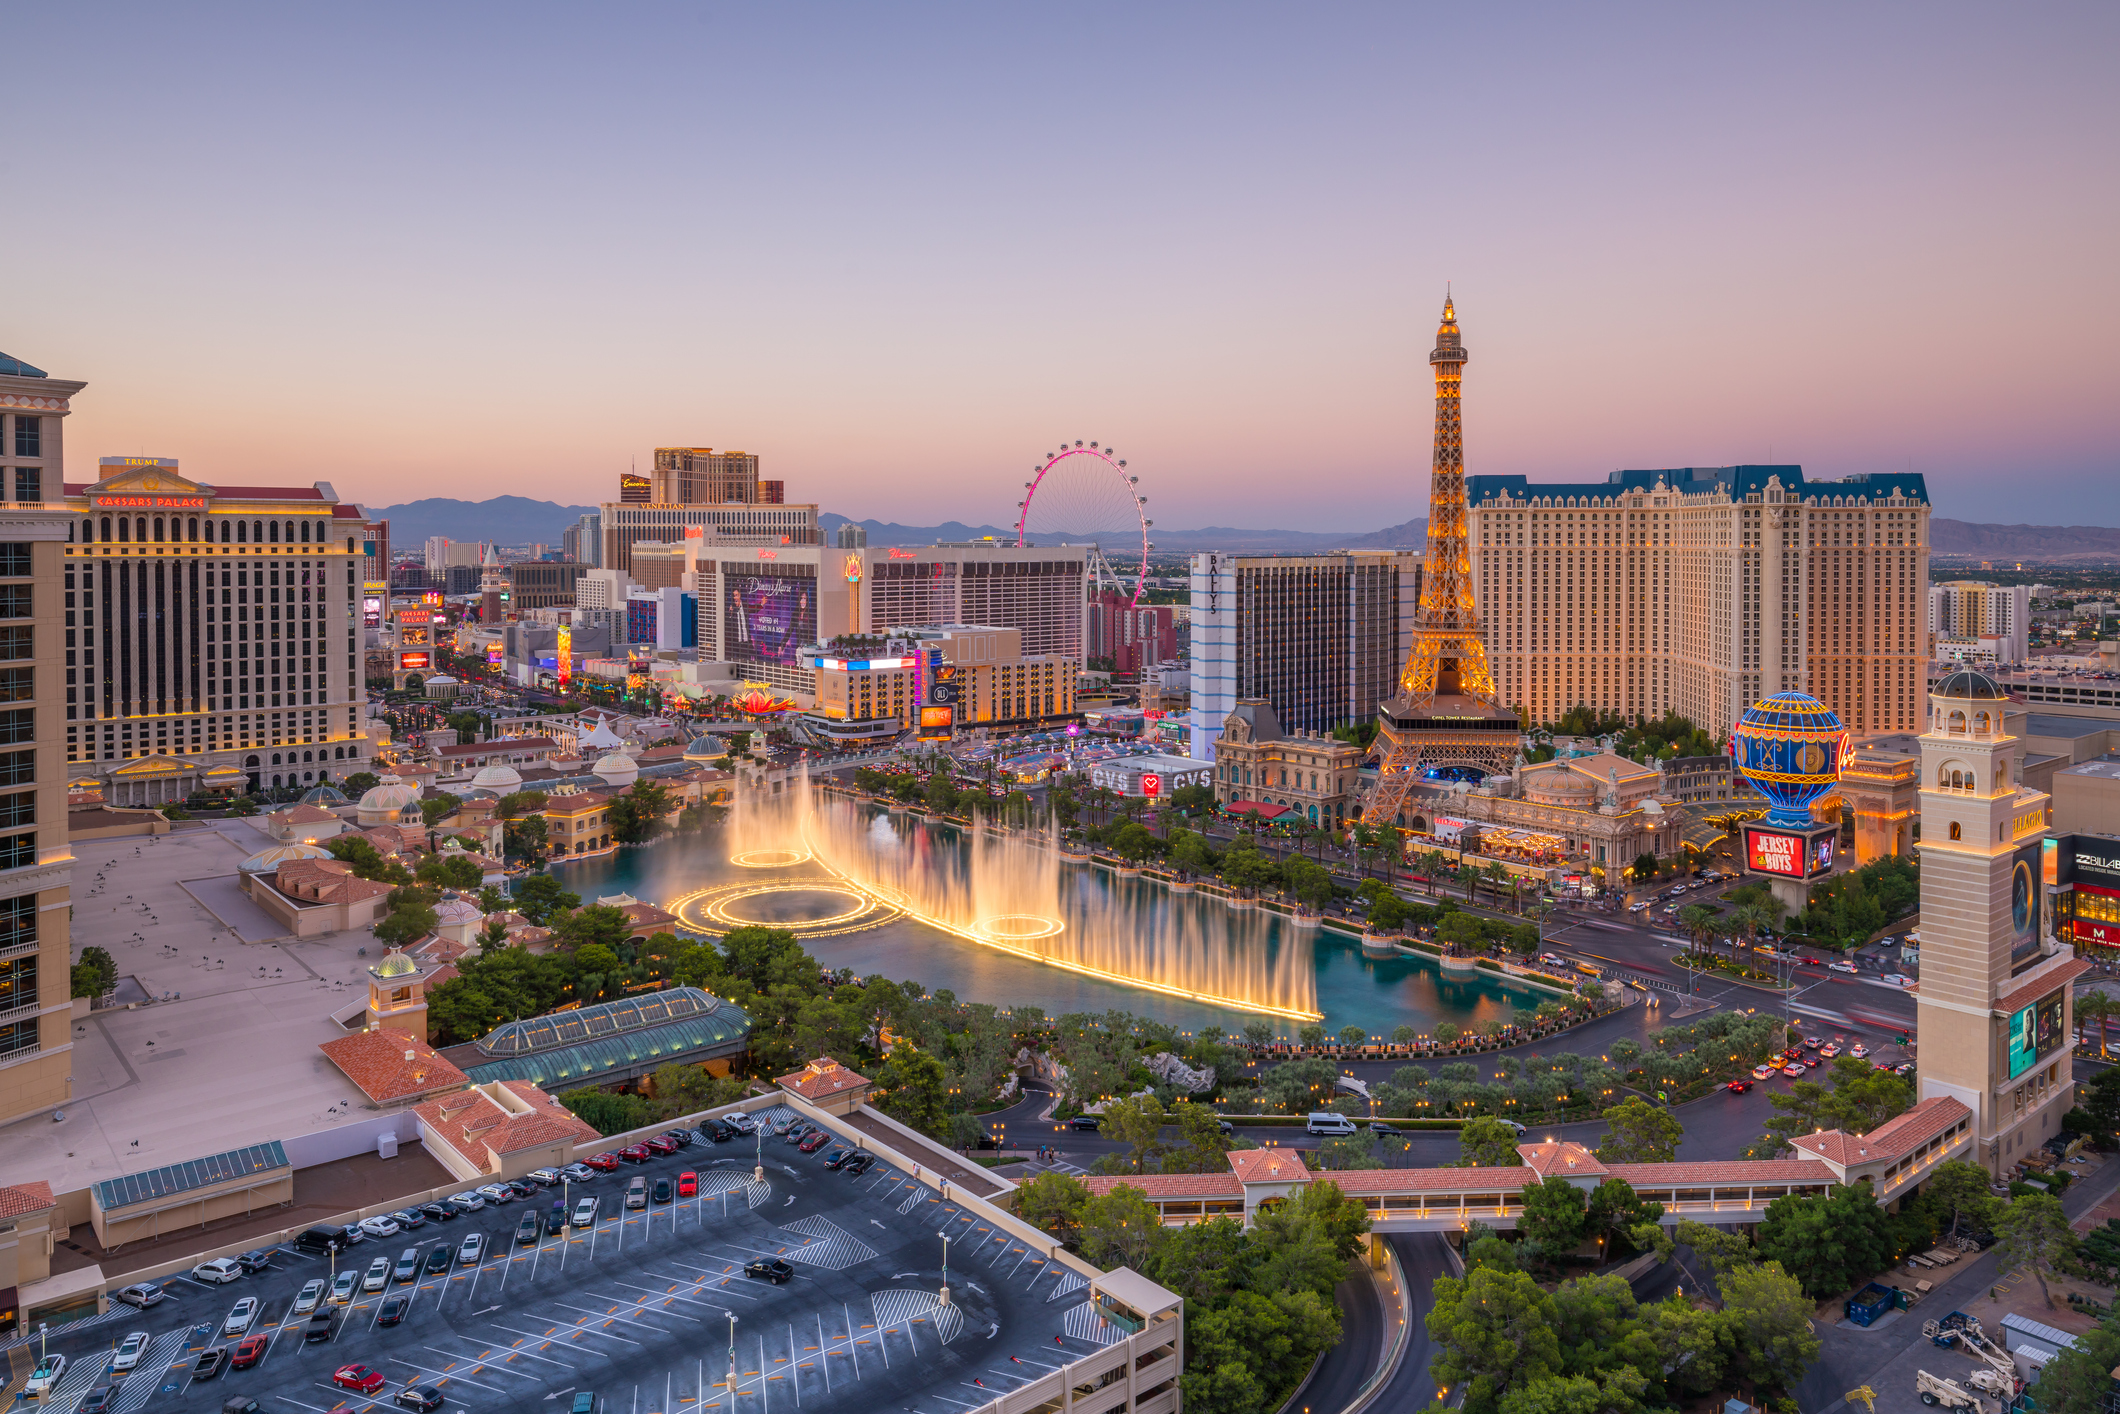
x=1553, y=1216
x=1617, y=1211
x=360, y=783
x=540, y=896
x=1640, y=1133
x=454, y=872
x=439, y=807
x=2093, y=1009
x=2079, y=1380
x=367, y=861
x=1830, y=1243
x=1960, y=1192
x=1053, y=1202
x=2034, y=1232
x=608, y=1113
x=95, y=974
x=1119, y=1228
x=1486, y=1142
x=1772, y=1316
x=915, y=1089
x=1494, y=1333
x=1350, y=1151
x=682, y=1089
x=1202, y=1147
x=410, y=917
x=639, y=814
x=599, y=924
x=1138, y=1123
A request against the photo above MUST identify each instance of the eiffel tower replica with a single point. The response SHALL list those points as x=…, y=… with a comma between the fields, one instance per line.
x=1446, y=711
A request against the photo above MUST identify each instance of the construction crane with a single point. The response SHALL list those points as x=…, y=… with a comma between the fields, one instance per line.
x=1935, y=1390
x=1863, y=1395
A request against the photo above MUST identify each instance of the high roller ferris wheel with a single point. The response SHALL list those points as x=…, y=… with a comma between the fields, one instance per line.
x=1083, y=494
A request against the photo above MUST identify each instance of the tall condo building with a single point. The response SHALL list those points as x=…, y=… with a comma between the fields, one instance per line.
x=700, y=490
x=1701, y=590
x=1976, y=610
x=219, y=633
x=1995, y=1008
x=1318, y=637
x=36, y=863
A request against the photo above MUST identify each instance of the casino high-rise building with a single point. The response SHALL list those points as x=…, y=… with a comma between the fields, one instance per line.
x=1446, y=711
x=1701, y=590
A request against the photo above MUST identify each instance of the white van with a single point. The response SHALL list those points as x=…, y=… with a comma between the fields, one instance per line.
x=1326, y=1122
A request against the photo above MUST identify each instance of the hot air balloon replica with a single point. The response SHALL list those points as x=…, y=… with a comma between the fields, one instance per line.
x=1790, y=746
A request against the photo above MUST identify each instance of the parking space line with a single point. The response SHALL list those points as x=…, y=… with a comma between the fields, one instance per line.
x=443, y=1374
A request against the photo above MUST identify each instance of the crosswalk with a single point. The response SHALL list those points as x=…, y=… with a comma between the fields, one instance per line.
x=902, y=1308
x=830, y=1246
x=1070, y=1282
x=1084, y=1323
x=160, y=1356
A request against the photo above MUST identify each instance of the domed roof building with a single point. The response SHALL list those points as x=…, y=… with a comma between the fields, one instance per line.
x=395, y=964
x=387, y=803
x=706, y=748
x=268, y=861
x=500, y=778
x=1968, y=683
x=616, y=769
x=458, y=919
x=325, y=797
x=1789, y=746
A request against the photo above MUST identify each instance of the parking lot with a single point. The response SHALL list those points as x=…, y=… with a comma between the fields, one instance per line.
x=636, y=1308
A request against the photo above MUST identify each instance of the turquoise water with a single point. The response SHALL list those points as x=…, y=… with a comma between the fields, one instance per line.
x=1376, y=994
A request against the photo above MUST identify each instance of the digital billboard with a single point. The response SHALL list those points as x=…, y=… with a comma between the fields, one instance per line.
x=632, y=488
x=766, y=618
x=372, y=611
x=931, y=717
x=2027, y=870
x=1788, y=854
x=412, y=662
x=493, y=655
x=2033, y=1032
x=563, y=655
x=432, y=598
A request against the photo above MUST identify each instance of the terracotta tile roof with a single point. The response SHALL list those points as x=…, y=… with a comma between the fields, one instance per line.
x=1452, y=1180
x=325, y=881
x=1731, y=1171
x=821, y=1079
x=1890, y=1140
x=375, y=1061
x=1564, y=1157
x=23, y=1198
x=1268, y=1165
x=2024, y=996
x=1173, y=1185
x=472, y=1124
x=579, y=803
x=644, y=915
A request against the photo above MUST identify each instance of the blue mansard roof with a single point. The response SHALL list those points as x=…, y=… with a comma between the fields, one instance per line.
x=1738, y=481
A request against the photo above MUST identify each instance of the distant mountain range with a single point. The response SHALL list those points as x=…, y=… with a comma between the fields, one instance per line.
x=518, y=520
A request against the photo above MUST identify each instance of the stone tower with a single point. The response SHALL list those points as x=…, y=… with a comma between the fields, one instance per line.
x=1994, y=1008
x=493, y=584
x=1446, y=711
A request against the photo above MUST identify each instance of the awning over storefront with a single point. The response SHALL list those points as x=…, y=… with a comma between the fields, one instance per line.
x=1257, y=808
x=1702, y=835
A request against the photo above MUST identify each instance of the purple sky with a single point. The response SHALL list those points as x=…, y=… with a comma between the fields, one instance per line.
x=901, y=250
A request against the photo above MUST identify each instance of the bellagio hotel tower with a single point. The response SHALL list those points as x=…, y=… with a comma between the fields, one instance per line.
x=1701, y=590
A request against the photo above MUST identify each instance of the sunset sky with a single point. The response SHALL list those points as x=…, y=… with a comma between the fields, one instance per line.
x=900, y=250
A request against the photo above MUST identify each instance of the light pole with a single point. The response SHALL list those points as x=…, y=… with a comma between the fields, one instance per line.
x=945, y=1267
x=732, y=1360
x=758, y=1174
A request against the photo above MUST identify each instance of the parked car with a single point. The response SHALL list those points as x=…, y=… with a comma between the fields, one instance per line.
x=358, y=1378
x=393, y=1310
x=210, y=1363
x=320, y=1327
x=688, y=1184
x=96, y=1401
x=584, y=1212
x=378, y=1275
x=722, y=1133
x=497, y=1193
x=440, y=1212
x=577, y=1173
x=529, y=1230
x=141, y=1293
x=544, y=1178
x=861, y=1163
x=249, y=1351
x=408, y=1219
x=351, y=1236
x=418, y=1397
x=129, y=1352
x=467, y=1202
x=838, y=1158
x=814, y=1141
x=306, y=1299
x=661, y=1145
x=408, y=1266
x=661, y=1192
x=773, y=1269
x=219, y=1270
x=683, y=1138
x=45, y=1376
x=471, y=1249
x=740, y=1121
x=796, y=1133
x=636, y=1193
x=240, y=1317
x=520, y=1188
x=380, y=1227
x=602, y=1163
x=344, y=1287
x=634, y=1153
x=256, y=1260
x=584, y=1402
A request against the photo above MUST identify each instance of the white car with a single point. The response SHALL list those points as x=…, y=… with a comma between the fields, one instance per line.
x=740, y=1121
x=240, y=1316
x=219, y=1270
x=1842, y=967
x=129, y=1352
x=378, y=1275
x=45, y=1376
x=1898, y=979
x=471, y=1249
x=1859, y=1051
x=1638, y=907
x=546, y=1178
x=577, y=1173
x=343, y=1287
x=306, y=1303
x=380, y=1226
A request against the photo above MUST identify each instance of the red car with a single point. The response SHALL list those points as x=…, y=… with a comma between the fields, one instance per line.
x=634, y=1153
x=358, y=1378
x=603, y=1163
x=249, y=1352
x=660, y=1145
x=688, y=1184
x=815, y=1142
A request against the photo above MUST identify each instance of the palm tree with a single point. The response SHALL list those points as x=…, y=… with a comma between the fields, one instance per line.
x=1698, y=920
x=2092, y=1008
x=1748, y=922
x=1433, y=863
x=1497, y=878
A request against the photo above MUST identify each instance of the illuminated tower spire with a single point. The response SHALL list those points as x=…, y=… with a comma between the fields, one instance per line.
x=1446, y=711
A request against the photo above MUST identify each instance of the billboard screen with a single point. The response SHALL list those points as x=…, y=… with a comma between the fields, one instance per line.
x=1787, y=854
x=372, y=611
x=2027, y=869
x=2033, y=1032
x=766, y=618
x=493, y=655
x=563, y=655
x=632, y=488
x=432, y=598
x=415, y=616
x=934, y=717
x=412, y=662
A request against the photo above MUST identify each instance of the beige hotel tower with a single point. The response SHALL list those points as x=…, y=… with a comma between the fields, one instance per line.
x=1994, y=1007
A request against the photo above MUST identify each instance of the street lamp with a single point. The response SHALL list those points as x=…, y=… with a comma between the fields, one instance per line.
x=945, y=1267
x=732, y=1360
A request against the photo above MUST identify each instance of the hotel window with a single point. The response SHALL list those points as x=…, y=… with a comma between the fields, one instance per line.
x=29, y=436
